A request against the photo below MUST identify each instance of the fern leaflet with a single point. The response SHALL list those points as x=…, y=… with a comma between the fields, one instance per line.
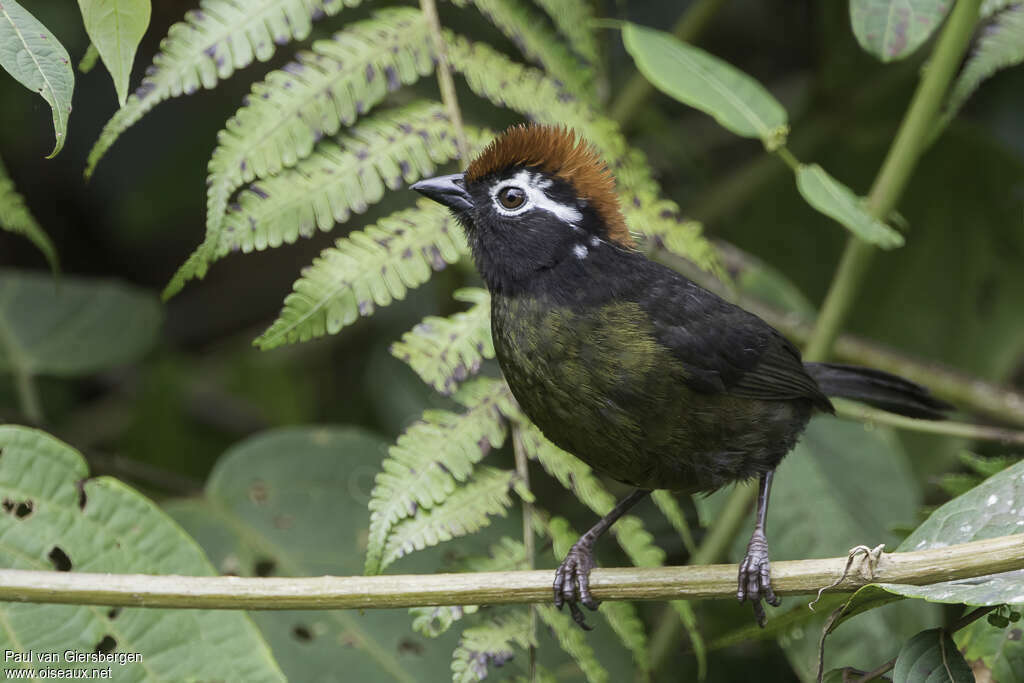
x=368, y=268
x=467, y=510
x=210, y=45
x=15, y=217
x=571, y=638
x=1001, y=46
x=573, y=19
x=385, y=151
x=430, y=458
x=294, y=107
x=491, y=643
x=538, y=43
x=445, y=351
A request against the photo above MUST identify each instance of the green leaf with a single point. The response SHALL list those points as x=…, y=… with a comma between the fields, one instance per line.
x=931, y=657
x=15, y=217
x=367, y=269
x=434, y=456
x=56, y=517
x=213, y=42
x=1000, y=46
x=292, y=502
x=387, y=151
x=1000, y=650
x=313, y=96
x=491, y=643
x=692, y=76
x=445, y=351
x=467, y=510
x=80, y=327
x=37, y=60
x=837, y=201
x=115, y=28
x=893, y=29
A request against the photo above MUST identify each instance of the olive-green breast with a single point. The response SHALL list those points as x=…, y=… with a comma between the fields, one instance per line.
x=598, y=384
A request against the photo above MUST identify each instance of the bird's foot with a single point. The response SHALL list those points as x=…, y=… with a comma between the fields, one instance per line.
x=755, y=582
x=572, y=582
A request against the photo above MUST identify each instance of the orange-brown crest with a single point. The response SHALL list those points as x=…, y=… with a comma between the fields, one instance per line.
x=558, y=151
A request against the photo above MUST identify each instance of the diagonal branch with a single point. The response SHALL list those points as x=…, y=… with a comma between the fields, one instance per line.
x=962, y=561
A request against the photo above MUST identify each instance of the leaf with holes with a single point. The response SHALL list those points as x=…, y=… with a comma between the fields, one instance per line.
x=445, y=351
x=893, y=29
x=292, y=108
x=838, y=202
x=694, y=77
x=931, y=657
x=115, y=28
x=79, y=327
x=15, y=217
x=213, y=42
x=433, y=457
x=367, y=269
x=37, y=60
x=53, y=516
x=292, y=502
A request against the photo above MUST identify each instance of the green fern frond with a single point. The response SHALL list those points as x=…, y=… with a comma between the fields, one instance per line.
x=294, y=107
x=572, y=640
x=669, y=507
x=435, y=621
x=16, y=218
x=445, y=351
x=538, y=43
x=576, y=476
x=493, y=642
x=213, y=42
x=1001, y=46
x=573, y=20
x=366, y=269
x=385, y=151
x=495, y=77
x=432, y=457
x=467, y=510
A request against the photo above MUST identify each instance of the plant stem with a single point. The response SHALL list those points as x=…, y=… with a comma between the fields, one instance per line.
x=911, y=140
x=797, y=577
x=637, y=90
x=523, y=470
x=444, y=79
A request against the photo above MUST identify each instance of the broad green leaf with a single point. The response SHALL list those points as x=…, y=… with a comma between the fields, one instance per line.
x=37, y=60
x=837, y=201
x=700, y=80
x=115, y=28
x=999, y=650
x=56, y=517
x=15, y=217
x=893, y=29
x=931, y=657
x=292, y=502
x=75, y=328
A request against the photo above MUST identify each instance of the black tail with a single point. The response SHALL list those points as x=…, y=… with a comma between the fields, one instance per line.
x=877, y=388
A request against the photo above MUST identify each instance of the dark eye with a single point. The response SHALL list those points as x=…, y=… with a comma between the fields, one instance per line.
x=511, y=197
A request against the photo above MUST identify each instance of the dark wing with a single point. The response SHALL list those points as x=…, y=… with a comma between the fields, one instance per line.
x=722, y=348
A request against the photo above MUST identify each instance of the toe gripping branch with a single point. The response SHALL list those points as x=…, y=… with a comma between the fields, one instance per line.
x=755, y=581
x=572, y=578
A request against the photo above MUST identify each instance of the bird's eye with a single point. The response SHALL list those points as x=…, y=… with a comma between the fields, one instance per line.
x=511, y=197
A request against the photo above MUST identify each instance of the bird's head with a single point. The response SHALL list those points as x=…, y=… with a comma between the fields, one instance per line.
x=536, y=197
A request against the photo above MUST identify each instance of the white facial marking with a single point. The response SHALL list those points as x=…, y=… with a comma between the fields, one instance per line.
x=580, y=251
x=534, y=186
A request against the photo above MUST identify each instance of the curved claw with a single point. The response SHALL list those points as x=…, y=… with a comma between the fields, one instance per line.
x=754, y=582
x=572, y=583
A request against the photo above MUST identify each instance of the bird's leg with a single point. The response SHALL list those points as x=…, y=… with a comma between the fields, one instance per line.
x=573, y=576
x=755, y=583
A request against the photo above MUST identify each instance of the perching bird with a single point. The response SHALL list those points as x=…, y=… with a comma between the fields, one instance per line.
x=637, y=371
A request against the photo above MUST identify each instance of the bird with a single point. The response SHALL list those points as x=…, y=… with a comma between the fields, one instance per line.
x=639, y=372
